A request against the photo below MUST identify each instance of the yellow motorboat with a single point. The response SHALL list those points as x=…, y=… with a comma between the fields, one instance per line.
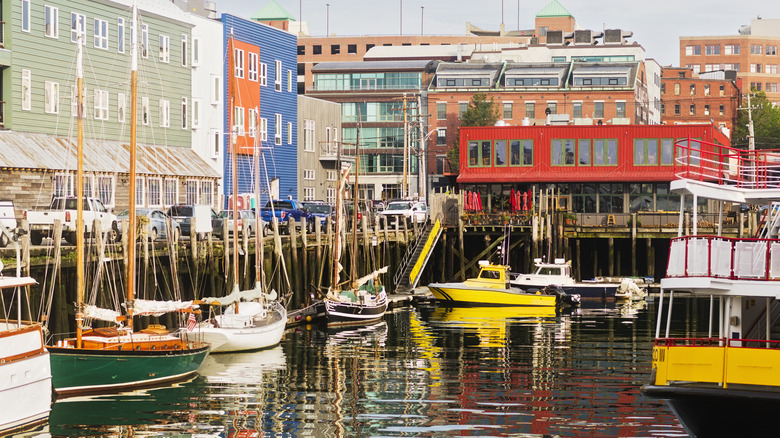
x=490, y=288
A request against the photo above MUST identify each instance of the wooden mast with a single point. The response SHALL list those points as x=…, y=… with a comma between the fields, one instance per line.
x=79, y=191
x=234, y=163
x=130, y=275
x=355, y=208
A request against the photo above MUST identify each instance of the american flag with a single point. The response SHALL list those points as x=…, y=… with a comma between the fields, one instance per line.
x=191, y=322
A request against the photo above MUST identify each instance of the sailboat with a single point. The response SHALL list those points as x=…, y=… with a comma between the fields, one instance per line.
x=117, y=358
x=365, y=300
x=25, y=375
x=252, y=320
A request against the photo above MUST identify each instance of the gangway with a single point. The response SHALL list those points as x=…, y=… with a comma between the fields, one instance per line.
x=408, y=275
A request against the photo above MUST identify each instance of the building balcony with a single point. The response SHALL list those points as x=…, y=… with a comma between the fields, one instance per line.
x=332, y=151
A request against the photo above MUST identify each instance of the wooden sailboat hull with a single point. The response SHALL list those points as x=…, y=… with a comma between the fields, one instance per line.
x=25, y=377
x=83, y=371
x=266, y=332
x=344, y=313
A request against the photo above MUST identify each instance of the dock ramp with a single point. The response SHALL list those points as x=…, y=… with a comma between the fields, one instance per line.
x=413, y=263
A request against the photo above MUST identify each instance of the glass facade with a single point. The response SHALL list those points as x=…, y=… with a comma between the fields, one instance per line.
x=367, y=81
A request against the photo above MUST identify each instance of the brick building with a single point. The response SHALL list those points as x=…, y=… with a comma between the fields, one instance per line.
x=711, y=97
x=753, y=53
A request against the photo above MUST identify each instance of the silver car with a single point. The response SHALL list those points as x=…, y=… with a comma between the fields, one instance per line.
x=157, y=226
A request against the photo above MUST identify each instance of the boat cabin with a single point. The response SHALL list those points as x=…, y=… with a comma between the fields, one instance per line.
x=559, y=267
x=490, y=275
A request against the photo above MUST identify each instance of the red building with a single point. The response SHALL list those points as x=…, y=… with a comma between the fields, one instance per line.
x=585, y=169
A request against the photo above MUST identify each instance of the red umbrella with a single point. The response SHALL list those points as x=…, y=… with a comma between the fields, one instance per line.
x=479, y=202
x=512, y=201
x=466, y=200
x=525, y=200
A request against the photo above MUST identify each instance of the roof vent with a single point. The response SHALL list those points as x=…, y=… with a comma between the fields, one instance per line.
x=554, y=37
x=616, y=36
x=584, y=37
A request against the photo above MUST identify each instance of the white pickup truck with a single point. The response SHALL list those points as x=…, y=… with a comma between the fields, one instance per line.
x=64, y=208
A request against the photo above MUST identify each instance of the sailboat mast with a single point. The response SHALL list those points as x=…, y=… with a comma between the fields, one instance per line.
x=355, y=208
x=234, y=162
x=131, y=195
x=258, y=222
x=79, y=191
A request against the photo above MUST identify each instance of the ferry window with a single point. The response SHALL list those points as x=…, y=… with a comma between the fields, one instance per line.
x=667, y=151
x=562, y=152
x=584, y=152
x=645, y=151
x=500, y=153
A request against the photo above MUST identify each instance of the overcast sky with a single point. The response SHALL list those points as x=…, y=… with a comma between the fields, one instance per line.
x=656, y=24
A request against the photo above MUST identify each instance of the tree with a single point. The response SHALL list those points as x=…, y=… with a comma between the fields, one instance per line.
x=766, y=123
x=480, y=112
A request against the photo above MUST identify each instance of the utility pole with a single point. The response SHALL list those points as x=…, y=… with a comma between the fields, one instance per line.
x=751, y=133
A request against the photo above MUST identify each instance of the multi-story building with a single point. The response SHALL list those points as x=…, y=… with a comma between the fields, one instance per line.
x=39, y=93
x=260, y=107
x=711, y=97
x=753, y=54
x=379, y=106
x=319, y=124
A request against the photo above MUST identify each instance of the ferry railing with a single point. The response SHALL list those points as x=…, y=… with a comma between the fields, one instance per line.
x=705, y=161
x=724, y=257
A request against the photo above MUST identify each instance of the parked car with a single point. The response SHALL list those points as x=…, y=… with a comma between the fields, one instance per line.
x=8, y=221
x=320, y=212
x=157, y=225
x=64, y=209
x=406, y=210
x=206, y=219
x=283, y=210
x=246, y=220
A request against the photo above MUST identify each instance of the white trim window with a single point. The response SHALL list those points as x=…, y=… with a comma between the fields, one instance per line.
x=63, y=184
x=332, y=175
x=238, y=63
x=289, y=81
x=252, y=122
x=195, y=52
x=308, y=193
x=216, y=89
x=74, y=98
x=140, y=191
x=165, y=113
x=184, y=44
x=184, y=115
x=145, y=110
x=88, y=185
x=120, y=35
x=144, y=40
x=52, y=98
x=278, y=76
x=195, y=113
x=165, y=48
x=26, y=91
x=171, y=192
x=216, y=142
x=289, y=133
x=330, y=196
x=106, y=185
x=121, y=107
x=277, y=129
x=154, y=192
x=101, y=105
x=101, y=34
x=263, y=74
x=251, y=66
x=78, y=26
x=25, y=15
x=207, y=192
x=191, y=191
x=263, y=129
x=238, y=120
x=51, y=23
x=308, y=174
x=308, y=135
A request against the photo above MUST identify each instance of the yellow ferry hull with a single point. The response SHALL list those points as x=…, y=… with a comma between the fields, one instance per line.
x=462, y=293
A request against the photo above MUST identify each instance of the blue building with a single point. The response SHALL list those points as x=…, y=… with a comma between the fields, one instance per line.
x=260, y=108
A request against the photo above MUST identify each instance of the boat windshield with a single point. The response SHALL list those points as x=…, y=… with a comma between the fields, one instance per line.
x=548, y=271
x=493, y=275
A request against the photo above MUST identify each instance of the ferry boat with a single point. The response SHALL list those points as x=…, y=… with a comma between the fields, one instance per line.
x=725, y=381
x=492, y=288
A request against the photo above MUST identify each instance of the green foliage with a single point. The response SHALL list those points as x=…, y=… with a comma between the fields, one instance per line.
x=766, y=123
x=481, y=112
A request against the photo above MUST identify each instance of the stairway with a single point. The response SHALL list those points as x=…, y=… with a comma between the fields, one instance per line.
x=416, y=257
x=770, y=222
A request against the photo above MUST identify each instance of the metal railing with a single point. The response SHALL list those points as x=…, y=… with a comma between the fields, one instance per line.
x=723, y=257
x=704, y=161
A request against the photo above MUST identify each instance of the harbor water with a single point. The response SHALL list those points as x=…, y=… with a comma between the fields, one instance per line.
x=425, y=371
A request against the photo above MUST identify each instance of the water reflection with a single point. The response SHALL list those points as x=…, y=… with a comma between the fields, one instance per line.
x=424, y=372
